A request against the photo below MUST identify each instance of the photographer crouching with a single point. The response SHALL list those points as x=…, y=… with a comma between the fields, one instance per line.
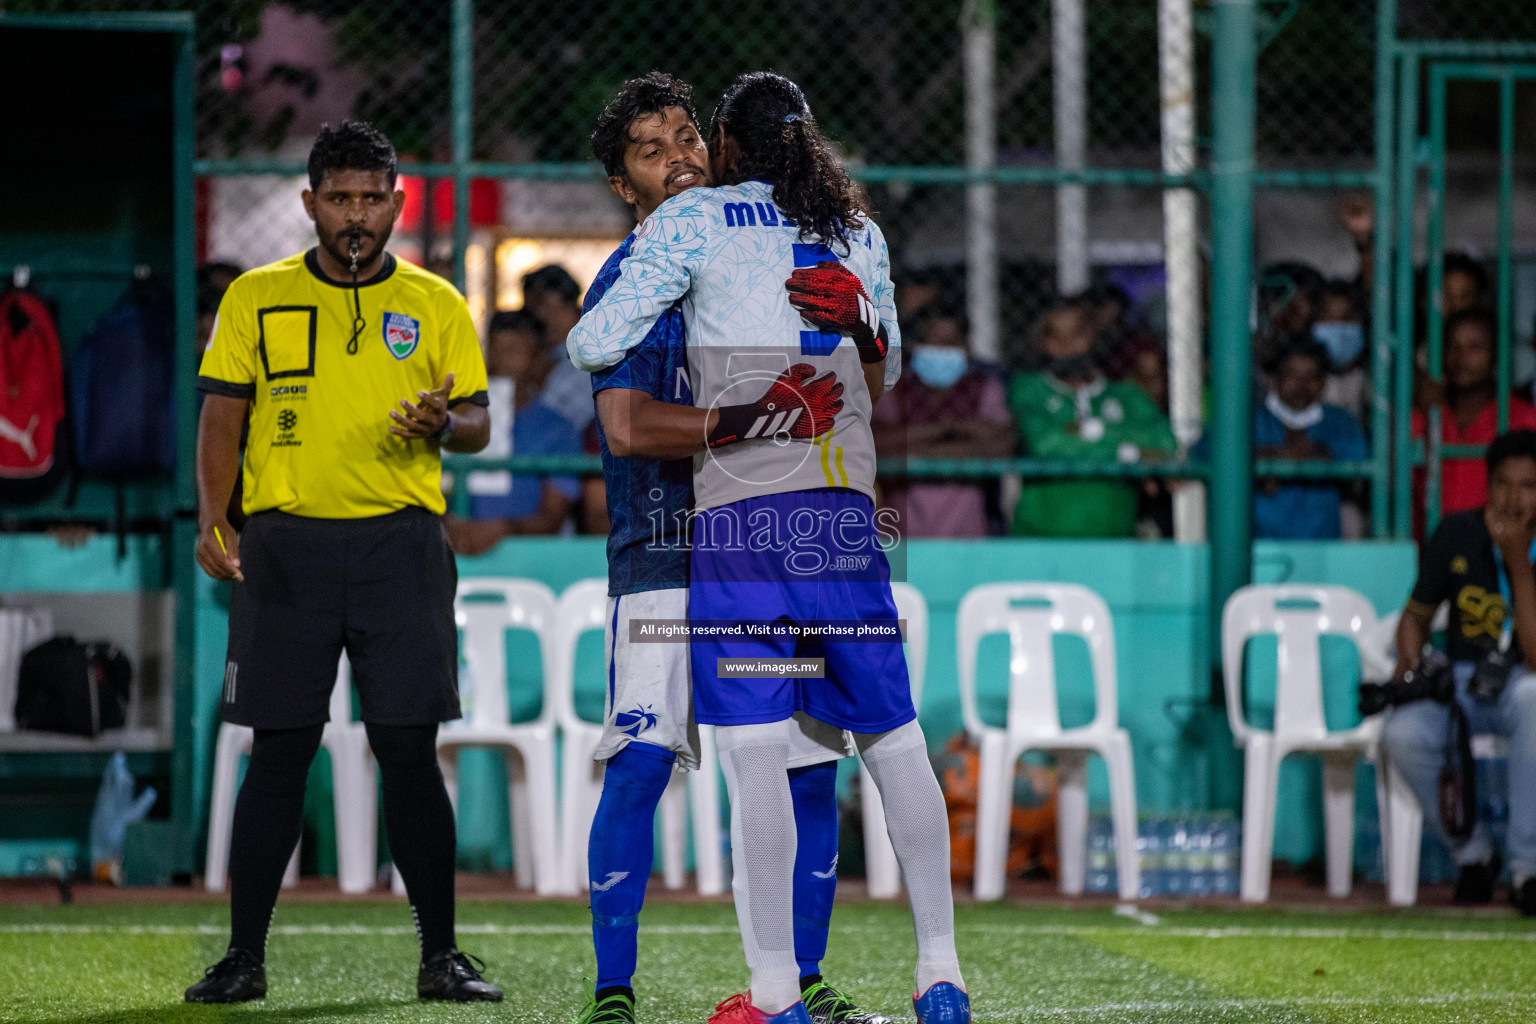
x=1481, y=562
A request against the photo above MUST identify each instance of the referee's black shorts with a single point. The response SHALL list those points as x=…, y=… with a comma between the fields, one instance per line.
x=381, y=588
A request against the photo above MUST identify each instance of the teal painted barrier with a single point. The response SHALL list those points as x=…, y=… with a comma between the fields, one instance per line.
x=1157, y=593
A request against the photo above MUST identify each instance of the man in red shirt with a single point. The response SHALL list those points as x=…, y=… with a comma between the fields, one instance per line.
x=1469, y=410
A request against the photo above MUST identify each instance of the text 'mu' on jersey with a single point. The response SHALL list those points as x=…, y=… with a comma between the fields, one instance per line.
x=726, y=253
x=648, y=499
x=319, y=443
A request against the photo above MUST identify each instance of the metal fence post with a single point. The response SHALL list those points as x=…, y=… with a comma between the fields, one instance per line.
x=186, y=805
x=1382, y=341
x=1233, y=53
x=463, y=110
x=1181, y=255
x=979, y=43
x=1069, y=73
x=1402, y=316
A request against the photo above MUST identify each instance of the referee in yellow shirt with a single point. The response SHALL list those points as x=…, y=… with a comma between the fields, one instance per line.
x=357, y=371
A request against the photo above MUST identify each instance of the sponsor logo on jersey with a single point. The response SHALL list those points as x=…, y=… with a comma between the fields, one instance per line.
x=401, y=334
x=636, y=720
x=753, y=215
x=287, y=422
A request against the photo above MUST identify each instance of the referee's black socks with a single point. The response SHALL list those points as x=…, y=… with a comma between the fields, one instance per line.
x=269, y=811
x=269, y=815
x=418, y=820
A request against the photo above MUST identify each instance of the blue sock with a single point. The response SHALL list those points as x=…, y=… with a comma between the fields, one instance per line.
x=814, y=790
x=620, y=852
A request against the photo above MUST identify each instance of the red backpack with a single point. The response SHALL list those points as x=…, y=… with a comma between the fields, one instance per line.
x=31, y=393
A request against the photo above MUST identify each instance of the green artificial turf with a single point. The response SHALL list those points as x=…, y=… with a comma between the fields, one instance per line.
x=355, y=962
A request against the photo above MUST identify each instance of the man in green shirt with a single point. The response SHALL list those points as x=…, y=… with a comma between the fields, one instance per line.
x=1069, y=411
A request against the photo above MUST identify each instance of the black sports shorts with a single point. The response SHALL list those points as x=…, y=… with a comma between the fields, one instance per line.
x=381, y=588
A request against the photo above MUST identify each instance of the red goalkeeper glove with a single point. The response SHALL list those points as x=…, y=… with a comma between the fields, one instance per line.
x=832, y=297
x=794, y=405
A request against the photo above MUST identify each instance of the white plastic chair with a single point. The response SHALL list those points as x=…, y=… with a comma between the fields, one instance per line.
x=353, y=796
x=1031, y=614
x=1298, y=615
x=486, y=608
x=1402, y=819
x=583, y=607
x=881, y=870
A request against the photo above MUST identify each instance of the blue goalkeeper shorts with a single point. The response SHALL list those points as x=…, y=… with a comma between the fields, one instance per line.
x=803, y=557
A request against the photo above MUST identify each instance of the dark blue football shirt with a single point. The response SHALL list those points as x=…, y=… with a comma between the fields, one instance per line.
x=648, y=499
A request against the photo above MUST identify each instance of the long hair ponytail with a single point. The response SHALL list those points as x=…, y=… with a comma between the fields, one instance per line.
x=780, y=141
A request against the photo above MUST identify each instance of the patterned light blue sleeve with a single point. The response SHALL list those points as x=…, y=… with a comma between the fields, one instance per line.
x=668, y=249
x=884, y=298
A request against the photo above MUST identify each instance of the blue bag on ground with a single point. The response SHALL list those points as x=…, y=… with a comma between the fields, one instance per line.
x=122, y=388
x=116, y=809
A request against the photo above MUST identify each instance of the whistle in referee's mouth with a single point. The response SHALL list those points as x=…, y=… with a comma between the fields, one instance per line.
x=354, y=246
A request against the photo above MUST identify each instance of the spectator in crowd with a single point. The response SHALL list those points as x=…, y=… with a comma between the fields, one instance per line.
x=1356, y=212
x=1522, y=371
x=534, y=505
x=1289, y=296
x=918, y=290
x=1148, y=370
x=1068, y=410
x=1479, y=563
x=1115, y=343
x=213, y=280
x=553, y=297
x=1469, y=403
x=946, y=407
x=1340, y=330
x=1463, y=284
x=1294, y=423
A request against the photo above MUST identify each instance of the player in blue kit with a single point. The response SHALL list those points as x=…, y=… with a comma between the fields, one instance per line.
x=786, y=531
x=649, y=142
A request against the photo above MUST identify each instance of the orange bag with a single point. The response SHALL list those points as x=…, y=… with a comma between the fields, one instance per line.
x=1032, y=828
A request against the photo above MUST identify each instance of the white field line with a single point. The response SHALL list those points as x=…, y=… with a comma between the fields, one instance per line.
x=1076, y=931
x=1297, y=1002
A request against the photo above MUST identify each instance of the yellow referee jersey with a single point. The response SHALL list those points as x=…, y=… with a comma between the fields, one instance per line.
x=319, y=443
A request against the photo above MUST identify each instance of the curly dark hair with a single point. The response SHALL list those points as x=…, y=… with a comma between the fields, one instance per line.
x=780, y=142
x=351, y=146
x=640, y=97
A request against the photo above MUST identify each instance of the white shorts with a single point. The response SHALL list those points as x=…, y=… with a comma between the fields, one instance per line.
x=650, y=691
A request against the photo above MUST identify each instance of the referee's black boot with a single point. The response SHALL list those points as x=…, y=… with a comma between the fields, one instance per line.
x=451, y=976
x=238, y=978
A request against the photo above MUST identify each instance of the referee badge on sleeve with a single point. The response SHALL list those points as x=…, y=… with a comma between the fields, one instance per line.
x=401, y=333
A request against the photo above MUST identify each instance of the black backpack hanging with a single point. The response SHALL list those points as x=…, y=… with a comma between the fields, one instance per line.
x=70, y=687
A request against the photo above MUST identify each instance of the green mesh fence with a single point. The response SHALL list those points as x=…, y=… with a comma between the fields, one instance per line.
x=888, y=81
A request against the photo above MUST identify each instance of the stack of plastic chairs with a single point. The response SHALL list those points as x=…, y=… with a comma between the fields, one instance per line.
x=881, y=870
x=486, y=609
x=583, y=607
x=1298, y=615
x=1032, y=614
x=354, y=794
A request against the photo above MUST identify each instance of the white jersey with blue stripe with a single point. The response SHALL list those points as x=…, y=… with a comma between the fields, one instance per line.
x=726, y=252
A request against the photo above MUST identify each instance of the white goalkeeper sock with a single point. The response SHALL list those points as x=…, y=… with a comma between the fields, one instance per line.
x=754, y=759
x=919, y=831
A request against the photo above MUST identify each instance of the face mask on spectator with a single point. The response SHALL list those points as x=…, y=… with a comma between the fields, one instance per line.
x=1342, y=338
x=1070, y=367
x=938, y=366
x=1294, y=419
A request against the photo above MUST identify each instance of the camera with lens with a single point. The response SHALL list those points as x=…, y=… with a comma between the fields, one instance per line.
x=1431, y=680
x=1487, y=683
